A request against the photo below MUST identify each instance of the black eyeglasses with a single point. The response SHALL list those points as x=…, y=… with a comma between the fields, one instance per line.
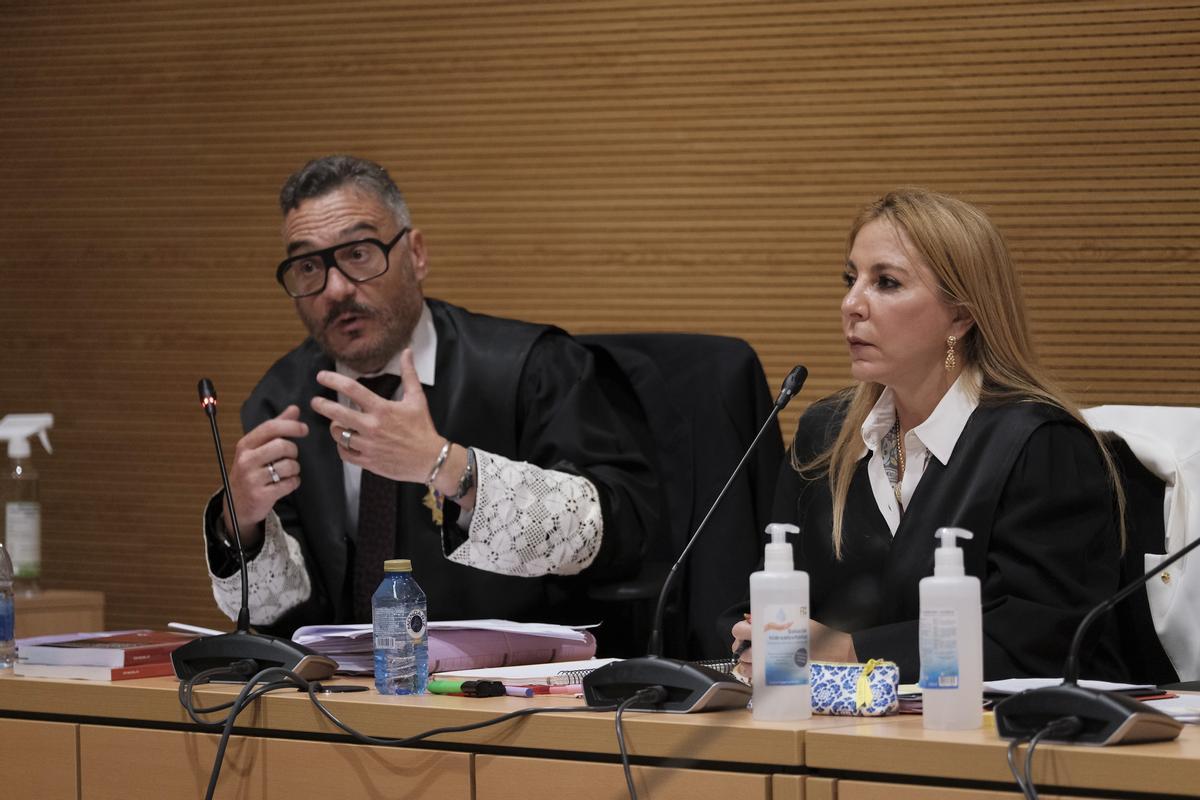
x=360, y=261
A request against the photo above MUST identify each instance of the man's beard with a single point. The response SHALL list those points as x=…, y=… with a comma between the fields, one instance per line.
x=396, y=326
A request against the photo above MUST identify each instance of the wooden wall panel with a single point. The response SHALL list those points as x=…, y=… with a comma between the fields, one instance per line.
x=606, y=166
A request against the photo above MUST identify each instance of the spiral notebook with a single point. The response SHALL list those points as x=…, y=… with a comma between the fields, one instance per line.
x=562, y=673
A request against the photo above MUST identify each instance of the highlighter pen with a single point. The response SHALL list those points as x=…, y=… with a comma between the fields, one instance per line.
x=466, y=688
x=518, y=691
x=444, y=687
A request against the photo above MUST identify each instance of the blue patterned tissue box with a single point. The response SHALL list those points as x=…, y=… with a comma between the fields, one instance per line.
x=855, y=690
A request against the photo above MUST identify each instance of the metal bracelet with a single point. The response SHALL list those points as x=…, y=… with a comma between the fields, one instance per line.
x=437, y=465
x=467, y=481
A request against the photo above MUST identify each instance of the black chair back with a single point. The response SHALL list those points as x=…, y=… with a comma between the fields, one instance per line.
x=703, y=398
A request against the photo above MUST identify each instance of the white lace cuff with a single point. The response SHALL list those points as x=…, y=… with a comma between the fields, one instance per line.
x=530, y=521
x=277, y=579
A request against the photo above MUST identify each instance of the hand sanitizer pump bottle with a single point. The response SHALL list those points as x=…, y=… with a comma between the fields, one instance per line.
x=779, y=625
x=951, y=640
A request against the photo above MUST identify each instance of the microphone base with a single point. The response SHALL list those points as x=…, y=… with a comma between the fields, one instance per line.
x=229, y=649
x=1108, y=718
x=690, y=687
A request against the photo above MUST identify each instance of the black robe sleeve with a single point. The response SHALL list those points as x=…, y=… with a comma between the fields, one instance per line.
x=567, y=422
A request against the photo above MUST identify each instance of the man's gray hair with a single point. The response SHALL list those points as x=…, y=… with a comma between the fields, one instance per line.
x=323, y=175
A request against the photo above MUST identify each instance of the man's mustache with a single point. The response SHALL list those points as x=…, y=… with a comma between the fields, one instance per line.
x=348, y=307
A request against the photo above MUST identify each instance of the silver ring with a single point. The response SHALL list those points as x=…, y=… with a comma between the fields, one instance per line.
x=274, y=474
x=346, y=434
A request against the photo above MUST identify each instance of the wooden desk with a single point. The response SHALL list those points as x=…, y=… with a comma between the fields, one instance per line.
x=135, y=740
x=58, y=611
x=78, y=739
x=865, y=756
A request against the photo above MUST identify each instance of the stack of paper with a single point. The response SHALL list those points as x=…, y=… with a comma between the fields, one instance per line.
x=562, y=673
x=460, y=644
x=349, y=645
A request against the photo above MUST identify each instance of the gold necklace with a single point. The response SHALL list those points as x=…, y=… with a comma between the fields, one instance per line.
x=897, y=488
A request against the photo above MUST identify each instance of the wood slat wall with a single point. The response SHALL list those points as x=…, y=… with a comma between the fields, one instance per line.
x=606, y=166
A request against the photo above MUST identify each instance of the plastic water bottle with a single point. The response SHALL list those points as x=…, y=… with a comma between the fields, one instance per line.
x=8, y=648
x=398, y=620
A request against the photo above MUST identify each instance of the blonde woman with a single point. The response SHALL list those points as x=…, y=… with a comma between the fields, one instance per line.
x=952, y=422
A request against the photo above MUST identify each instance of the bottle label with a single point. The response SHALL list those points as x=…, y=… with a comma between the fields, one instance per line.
x=785, y=632
x=22, y=533
x=6, y=619
x=398, y=627
x=416, y=625
x=939, y=648
x=390, y=627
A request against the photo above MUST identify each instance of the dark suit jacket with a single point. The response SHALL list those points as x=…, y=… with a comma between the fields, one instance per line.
x=1029, y=482
x=526, y=392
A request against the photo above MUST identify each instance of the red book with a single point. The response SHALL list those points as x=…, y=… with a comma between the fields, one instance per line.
x=152, y=670
x=126, y=649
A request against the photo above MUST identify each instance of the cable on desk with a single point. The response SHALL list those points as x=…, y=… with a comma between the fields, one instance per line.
x=185, y=696
x=278, y=678
x=1061, y=727
x=651, y=694
x=523, y=712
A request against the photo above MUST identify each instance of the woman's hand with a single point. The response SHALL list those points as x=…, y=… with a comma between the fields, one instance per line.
x=741, y=637
x=824, y=644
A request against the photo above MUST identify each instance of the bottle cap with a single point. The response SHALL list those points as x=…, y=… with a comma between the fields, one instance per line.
x=948, y=559
x=778, y=555
x=778, y=532
x=17, y=428
x=397, y=565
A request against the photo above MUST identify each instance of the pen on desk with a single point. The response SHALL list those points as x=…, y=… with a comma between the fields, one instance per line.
x=571, y=688
x=518, y=691
x=564, y=688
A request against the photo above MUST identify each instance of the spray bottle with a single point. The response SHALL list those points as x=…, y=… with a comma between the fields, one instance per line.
x=19, y=489
x=951, y=640
x=779, y=632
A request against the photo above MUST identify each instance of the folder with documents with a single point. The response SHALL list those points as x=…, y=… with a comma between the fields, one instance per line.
x=458, y=645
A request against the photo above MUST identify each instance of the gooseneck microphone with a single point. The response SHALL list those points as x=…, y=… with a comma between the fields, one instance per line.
x=1105, y=717
x=689, y=687
x=791, y=385
x=208, y=401
x=236, y=657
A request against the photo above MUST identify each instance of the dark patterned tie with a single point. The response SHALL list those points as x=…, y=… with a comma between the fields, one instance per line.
x=376, y=519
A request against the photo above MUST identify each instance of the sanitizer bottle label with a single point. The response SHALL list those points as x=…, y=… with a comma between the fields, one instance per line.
x=22, y=527
x=939, y=648
x=785, y=630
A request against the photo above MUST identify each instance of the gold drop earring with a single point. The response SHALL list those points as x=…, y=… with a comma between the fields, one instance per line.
x=951, y=358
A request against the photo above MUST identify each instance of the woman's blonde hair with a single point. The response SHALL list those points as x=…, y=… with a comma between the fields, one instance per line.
x=972, y=269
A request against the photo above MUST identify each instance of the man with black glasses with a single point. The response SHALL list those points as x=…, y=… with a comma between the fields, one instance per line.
x=481, y=448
